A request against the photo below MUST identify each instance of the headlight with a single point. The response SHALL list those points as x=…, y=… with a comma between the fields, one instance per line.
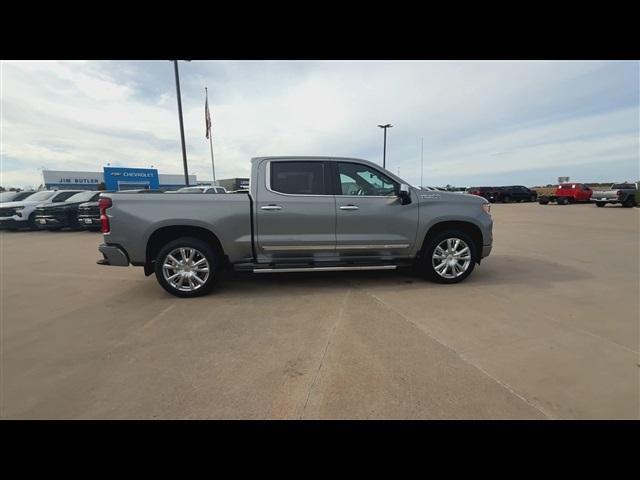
x=487, y=208
x=19, y=210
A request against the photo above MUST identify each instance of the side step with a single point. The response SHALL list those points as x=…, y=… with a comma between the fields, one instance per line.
x=323, y=269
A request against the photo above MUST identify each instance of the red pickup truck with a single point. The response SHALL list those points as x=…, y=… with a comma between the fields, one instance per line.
x=568, y=193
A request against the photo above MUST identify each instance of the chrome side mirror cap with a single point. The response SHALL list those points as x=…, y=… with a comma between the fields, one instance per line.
x=405, y=194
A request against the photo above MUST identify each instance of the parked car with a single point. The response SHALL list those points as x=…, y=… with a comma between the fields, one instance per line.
x=302, y=214
x=516, y=193
x=625, y=194
x=202, y=189
x=490, y=193
x=21, y=214
x=63, y=214
x=568, y=193
x=15, y=196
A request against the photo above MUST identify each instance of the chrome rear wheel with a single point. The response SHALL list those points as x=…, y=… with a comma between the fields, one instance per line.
x=186, y=269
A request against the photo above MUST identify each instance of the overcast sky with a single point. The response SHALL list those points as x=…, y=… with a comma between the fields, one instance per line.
x=483, y=122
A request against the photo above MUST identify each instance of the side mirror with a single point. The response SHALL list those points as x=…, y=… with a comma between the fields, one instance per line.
x=405, y=194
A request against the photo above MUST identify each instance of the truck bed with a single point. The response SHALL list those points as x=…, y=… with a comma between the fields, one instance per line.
x=134, y=218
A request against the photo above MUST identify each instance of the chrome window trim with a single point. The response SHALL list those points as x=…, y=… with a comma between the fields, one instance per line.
x=268, y=182
x=365, y=196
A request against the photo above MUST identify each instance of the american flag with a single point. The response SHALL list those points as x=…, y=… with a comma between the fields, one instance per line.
x=207, y=116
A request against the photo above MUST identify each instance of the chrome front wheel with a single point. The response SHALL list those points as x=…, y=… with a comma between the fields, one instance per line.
x=451, y=258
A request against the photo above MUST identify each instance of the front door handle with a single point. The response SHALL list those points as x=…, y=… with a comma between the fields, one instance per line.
x=271, y=207
x=349, y=207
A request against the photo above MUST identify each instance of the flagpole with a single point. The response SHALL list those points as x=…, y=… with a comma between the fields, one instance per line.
x=422, y=163
x=213, y=165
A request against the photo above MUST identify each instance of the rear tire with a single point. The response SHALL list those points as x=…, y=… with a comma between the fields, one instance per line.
x=629, y=202
x=506, y=199
x=563, y=201
x=179, y=278
x=543, y=201
x=600, y=204
x=429, y=265
x=533, y=198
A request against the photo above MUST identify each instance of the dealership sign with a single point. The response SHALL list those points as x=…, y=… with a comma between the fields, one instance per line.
x=62, y=178
x=116, y=178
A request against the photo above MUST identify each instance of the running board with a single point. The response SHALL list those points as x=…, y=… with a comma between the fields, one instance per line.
x=323, y=269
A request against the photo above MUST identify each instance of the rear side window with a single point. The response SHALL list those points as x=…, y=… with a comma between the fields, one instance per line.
x=298, y=178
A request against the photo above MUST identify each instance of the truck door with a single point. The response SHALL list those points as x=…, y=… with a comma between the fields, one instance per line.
x=370, y=218
x=295, y=209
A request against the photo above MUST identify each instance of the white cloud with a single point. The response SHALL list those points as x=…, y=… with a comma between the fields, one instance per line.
x=476, y=117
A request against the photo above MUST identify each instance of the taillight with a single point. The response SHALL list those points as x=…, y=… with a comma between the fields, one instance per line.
x=103, y=204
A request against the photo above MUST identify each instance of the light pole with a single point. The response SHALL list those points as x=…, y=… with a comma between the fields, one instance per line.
x=184, y=148
x=384, y=148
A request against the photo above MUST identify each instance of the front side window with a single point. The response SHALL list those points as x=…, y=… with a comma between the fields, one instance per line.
x=357, y=179
x=298, y=178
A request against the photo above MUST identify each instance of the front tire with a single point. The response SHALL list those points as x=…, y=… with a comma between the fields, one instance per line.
x=449, y=257
x=187, y=267
x=32, y=222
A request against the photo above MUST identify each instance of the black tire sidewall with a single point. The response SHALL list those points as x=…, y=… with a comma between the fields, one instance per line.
x=189, y=242
x=32, y=221
x=426, y=266
x=600, y=204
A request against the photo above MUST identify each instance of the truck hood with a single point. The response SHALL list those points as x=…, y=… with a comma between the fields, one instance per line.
x=25, y=203
x=457, y=197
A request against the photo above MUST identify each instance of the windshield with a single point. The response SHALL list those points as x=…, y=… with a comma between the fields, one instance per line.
x=42, y=195
x=81, y=197
x=13, y=196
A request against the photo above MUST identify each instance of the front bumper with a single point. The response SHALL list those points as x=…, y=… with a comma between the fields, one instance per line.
x=49, y=222
x=11, y=222
x=486, y=250
x=113, y=255
x=89, y=222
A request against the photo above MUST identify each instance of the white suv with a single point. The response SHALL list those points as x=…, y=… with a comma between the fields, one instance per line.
x=21, y=214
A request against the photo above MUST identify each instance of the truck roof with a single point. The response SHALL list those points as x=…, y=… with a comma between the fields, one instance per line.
x=306, y=157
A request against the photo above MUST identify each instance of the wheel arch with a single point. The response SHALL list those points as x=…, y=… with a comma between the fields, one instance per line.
x=166, y=234
x=467, y=227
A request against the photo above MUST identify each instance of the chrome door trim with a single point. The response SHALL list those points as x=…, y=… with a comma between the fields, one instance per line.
x=323, y=269
x=372, y=247
x=281, y=248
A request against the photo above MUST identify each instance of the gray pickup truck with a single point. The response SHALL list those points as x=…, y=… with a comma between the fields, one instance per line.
x=300, y=214
x=622, y=193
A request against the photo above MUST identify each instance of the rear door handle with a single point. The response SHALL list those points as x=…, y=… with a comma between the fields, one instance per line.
x=271, y=207
x=349, y=207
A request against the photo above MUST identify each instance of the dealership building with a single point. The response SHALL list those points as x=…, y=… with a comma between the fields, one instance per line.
x=114, y=178
x=124, y=178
